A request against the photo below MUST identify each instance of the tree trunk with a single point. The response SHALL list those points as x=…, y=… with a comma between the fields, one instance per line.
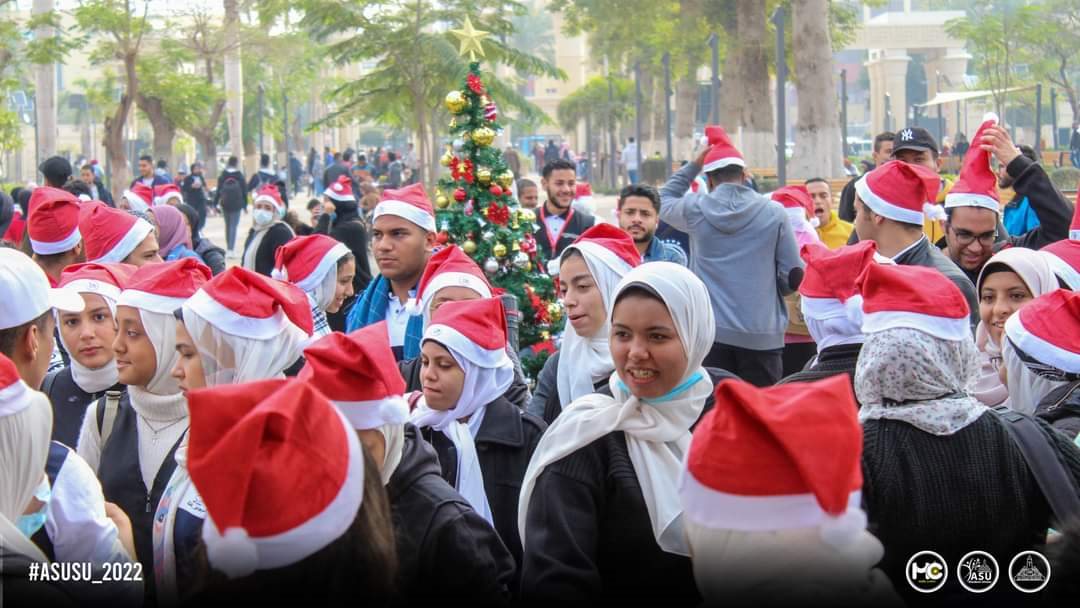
x=45, y=91
x=207, y=140
x=658, y=142
x=686, y=102
x=647, y=84
x=753, y=105
x=164, y=131
x=114, y=129
x=234, y=82
x=817, y=135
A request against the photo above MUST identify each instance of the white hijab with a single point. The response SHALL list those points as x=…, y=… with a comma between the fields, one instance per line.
x=585, y=360
x=482, y=386
x=229, y=359
x=657, y=430
x=1026, y=386
x=92, y=380
x=24, y=448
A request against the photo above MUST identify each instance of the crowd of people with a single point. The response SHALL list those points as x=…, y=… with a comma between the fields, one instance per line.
x=757, y=398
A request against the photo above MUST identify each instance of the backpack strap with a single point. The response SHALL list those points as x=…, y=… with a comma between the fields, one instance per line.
x=1055, y=482
x=49, y=381
x=108, y=406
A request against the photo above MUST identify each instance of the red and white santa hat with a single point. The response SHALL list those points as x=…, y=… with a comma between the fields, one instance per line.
x=105, y=280
x=583, y=192
x=166, y=192
x=913, y=297
x=269, y=193
x=1048, y=330
x=831, y=277
x=304, y=261
x=164, y=287
x=359, y=374
x=778, y=458
x=476, y=329
x=341, y=190
x=902, y=192
x=53, y=226
x=246, y=304
x=13, y=391
x=410, y=203
x=1064, y=255
x=977, y=184
x=797, y=203
x=280, y=471
x=140, y=196
x=721, y=151
x=611, y=244
x=110, y=235
x=449, y=267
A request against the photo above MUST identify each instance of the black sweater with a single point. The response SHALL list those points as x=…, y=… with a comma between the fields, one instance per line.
x=276, y=236
x=830, y=361
x=348, y=228
x=953, y=494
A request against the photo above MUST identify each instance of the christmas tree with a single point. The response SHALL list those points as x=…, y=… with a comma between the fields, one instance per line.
x=477, y=211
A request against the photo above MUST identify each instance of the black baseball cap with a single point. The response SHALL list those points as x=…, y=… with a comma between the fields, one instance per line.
x=914, y=138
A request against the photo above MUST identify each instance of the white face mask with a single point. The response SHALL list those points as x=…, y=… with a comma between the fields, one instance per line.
x=262, y=217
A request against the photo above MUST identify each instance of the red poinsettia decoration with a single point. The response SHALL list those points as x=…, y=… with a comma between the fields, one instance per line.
x=462, y=169
x=474, y=84
x=498, y=214
x=528, y=244
x=541, y=314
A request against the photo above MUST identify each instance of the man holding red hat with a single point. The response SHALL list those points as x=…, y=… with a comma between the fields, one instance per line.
x=744, y=250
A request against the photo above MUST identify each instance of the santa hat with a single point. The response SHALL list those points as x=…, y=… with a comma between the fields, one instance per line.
x=305, y=260
x=610, y=243
x=902, y=192
x=474, y=328
x=1064, y=255
x=977, y=185
x=913, y=297
x=411, y=203
x=105, y=280
x=830, y=279
x=359, y=374
x=269, y=193
x=139, y=196
x=778, y=458
x=13, y=391
x=1048, y=330
x=53, y=227
x=797, y=202
x=583, y=192
x=279, y=470
x=164, y=287
x=246, y=304
x=721, y=151
x=164, y=193
x=341, y=190
x=448, y=267
x=110, y=235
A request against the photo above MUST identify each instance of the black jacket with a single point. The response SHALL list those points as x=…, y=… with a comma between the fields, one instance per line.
x=103, y=193
x=226, y=202
x=212, y=255
x=830, y=362
x=69, y=403
x=1050, y=206
x=925, y=254
x=276, y=236
x=1061, y=408
x=260, y=178
x=504, y=445
x=579, y=222
x=446, y=552
x=348, y=228
x=517, y=394
x=196, y=197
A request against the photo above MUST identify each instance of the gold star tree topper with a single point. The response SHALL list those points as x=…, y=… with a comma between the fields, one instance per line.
x=470, y=40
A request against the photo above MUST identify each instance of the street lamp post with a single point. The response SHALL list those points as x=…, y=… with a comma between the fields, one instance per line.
x=613, y=168
x=667, y=111
x=262, y=94
x=714, y=42
x=888, y=112
x=1053, y=116
x=843, y=112
x=1038, y=120
x=637, y=114
x=781, y=110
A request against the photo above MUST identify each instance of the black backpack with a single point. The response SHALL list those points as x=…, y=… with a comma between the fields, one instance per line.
x=232, y=191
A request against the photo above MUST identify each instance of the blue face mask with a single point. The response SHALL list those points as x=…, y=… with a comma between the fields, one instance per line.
x=30, y=524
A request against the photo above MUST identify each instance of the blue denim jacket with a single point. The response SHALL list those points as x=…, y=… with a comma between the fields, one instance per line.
x=660, y=251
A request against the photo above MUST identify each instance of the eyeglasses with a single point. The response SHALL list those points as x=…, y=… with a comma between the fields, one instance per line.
x=965, y=238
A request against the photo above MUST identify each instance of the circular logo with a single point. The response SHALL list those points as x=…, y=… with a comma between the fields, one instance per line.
x=926, y=572
x=977, y=571
x=1029, y=571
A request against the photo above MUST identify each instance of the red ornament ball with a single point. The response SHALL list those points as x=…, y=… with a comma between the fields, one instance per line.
x=495, y=190
x=459, y=195
x=442, y=237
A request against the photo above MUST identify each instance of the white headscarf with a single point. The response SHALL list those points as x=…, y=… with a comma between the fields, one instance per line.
x=24, y=448
x=394, y=436
x=908, y=375
x=229, y=359
x=1028, y=387
x=1036, y=273
x=657, y=430
x=585, y=360
x=482, y=386
x=161, y=330
x=91, y=380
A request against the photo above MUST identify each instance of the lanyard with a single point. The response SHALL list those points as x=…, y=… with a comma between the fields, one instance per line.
x=554, y=240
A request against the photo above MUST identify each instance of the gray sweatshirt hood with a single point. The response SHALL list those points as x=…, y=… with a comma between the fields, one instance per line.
x=732, y=208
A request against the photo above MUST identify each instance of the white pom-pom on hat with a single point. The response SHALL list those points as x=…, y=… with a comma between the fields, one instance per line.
x=842, y=531
x=933, y=211
x=233, y=553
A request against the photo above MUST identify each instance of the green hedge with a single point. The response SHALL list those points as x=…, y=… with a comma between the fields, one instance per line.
x=1065, y=178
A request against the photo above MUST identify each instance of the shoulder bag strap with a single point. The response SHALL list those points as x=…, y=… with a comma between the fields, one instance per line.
x=1054, y=480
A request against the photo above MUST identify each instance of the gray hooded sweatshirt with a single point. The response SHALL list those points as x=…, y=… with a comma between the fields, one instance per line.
x=744, y=250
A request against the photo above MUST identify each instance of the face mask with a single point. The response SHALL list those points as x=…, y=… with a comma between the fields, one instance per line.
x=30, y=524
x=262, y=217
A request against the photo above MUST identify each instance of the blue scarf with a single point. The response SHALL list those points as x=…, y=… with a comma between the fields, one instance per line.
x=371, y=308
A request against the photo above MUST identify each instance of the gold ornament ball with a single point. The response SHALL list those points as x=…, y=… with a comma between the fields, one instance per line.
x=527, y=215
x=483, y=175
x=453, y=124
x=545, y=335
x=554, y=312
x=442, y=202
x=506, y=179
x=483, y=136
x=500, y=250
x=469, y=247
x=516, y=246
x=455, y=102
x=446, y=159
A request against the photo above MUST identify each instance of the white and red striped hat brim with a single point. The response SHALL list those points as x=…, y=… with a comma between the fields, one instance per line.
x=123, y=248
x=1040, y=349
x=939, y=327
x=459, y=342
x=406, y=211
x=54, y=247
x=232, y=322
x=884, y=208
